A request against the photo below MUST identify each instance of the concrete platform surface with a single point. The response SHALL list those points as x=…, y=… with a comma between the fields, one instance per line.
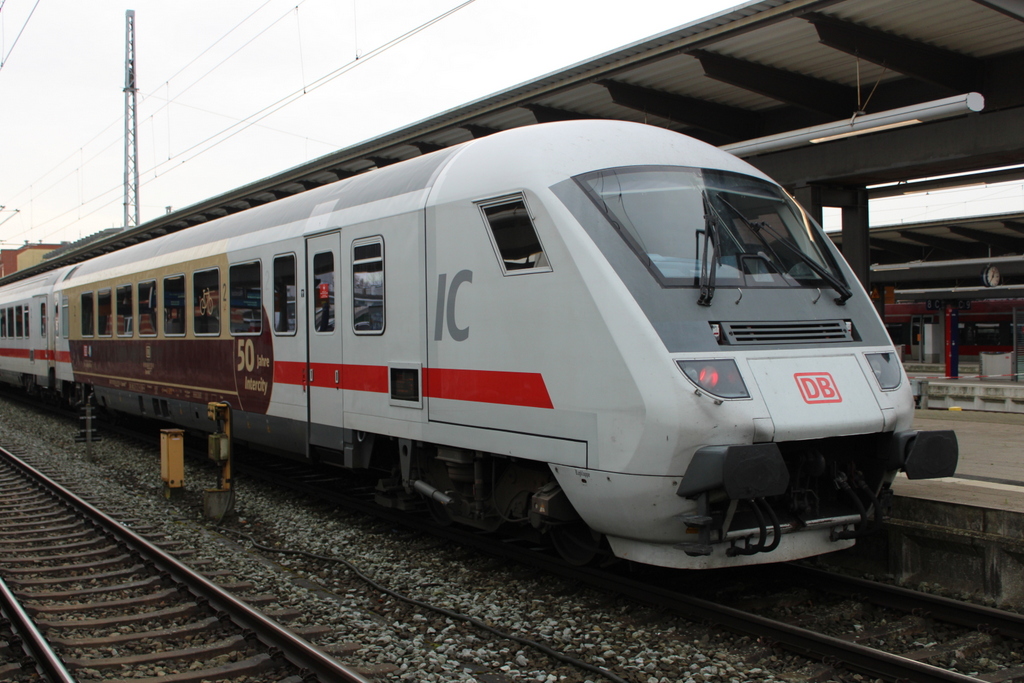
x=990, y=473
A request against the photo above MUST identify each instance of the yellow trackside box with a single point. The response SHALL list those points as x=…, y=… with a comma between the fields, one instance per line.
x=172, y=457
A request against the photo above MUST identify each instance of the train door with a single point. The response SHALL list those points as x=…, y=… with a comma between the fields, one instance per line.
x=323, y=365
x=42, y=348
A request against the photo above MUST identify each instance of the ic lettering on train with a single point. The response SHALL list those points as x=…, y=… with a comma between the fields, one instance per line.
x=446, y=306
x=817, y=387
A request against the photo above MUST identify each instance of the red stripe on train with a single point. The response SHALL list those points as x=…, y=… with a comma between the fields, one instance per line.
x=479, y=386
x=487, y=386
x=40, y=354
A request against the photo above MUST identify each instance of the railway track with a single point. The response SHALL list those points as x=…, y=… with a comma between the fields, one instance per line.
x=850, y=627
x=114, y=606
x=914, y=636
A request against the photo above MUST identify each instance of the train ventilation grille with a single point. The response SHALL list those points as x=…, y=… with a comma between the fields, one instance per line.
x=812, y=332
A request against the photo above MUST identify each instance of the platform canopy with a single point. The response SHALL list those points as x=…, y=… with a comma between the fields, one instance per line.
x=758, y=70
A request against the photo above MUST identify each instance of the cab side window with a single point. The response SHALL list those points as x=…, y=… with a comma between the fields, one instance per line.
x=514, y=236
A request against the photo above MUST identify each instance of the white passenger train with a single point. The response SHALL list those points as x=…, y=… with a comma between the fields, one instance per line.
x=609, y=332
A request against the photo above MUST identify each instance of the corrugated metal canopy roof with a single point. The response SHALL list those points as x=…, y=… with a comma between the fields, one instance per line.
x=760, y=68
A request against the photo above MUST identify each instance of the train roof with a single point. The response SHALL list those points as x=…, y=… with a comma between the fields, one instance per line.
x=534, y=156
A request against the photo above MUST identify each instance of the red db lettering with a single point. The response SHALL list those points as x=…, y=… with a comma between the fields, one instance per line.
x=817, y=387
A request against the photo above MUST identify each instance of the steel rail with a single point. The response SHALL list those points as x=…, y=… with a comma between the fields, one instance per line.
x=817, y=646
x=295, y=649
x=978, y=617
x=48, y=663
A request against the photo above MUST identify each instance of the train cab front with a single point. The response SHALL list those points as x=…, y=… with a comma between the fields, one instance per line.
x=748, y=496
x=823, y=480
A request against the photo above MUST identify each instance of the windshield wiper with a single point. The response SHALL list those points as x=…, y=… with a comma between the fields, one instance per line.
x=707, y=274
x=757, y=226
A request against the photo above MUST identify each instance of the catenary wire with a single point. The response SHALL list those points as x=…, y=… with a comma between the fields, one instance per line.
x=167, y=101
x=6, y=57
x=244, y=124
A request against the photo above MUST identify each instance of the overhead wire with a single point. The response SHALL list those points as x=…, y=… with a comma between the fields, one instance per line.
x=283, y=102
x=4, y=58
x=168, y=100
x=251, y=120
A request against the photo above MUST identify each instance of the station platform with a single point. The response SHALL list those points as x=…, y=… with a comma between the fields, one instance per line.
x=990, y=473
x=970, y=391
x=966, y=532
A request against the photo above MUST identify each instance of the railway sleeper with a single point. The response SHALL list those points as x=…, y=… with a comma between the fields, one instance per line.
x=85, y=592
x=904, y=627
x=182, y=631
x=246, y=667
x=158, y=598
x=99, y=576
x=186, y=610
x=204, y=652
x=963, y=647
x=66, y=568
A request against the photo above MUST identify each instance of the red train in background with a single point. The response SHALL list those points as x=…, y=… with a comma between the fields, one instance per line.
x=985, y=326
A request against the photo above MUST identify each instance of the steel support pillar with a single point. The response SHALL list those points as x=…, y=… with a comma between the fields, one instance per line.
x=856, y=246
x=810, y=197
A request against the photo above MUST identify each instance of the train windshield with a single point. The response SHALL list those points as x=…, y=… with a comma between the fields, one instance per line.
x=678, y=220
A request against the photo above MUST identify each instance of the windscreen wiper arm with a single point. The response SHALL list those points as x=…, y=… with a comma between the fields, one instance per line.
x=707, y=273
x=757, y=226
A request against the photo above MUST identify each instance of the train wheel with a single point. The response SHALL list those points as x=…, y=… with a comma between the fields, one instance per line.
x=577, y=543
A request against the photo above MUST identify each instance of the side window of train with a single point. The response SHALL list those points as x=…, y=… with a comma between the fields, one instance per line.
x=125, y=311
x=206, y=302
x=147, y=308
x=19, y=322
x=514, y=237
x=3, y=323
x=284, y=294
x=104, y=314
x=246, y=298
x=12, y=327
x=88, y=314
x=323, y=292
x=174, y=305
x=64, y=328
x=368, y=286
x=28, y=325
x=42, y=320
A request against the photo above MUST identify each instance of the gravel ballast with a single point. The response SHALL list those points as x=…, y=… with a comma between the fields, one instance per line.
x=387, y=638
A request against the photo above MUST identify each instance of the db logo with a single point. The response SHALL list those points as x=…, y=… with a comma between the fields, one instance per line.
x=817, y=387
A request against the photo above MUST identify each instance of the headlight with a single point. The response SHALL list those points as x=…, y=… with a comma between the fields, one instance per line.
x=886, y=368
x=719, y=377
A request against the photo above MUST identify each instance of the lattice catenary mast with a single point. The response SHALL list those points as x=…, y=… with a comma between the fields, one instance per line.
x=131, y=127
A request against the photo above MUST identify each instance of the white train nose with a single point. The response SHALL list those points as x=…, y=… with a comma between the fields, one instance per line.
x=812, y=397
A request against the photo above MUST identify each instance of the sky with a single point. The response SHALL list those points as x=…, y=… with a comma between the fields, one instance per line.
x=233, y=91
